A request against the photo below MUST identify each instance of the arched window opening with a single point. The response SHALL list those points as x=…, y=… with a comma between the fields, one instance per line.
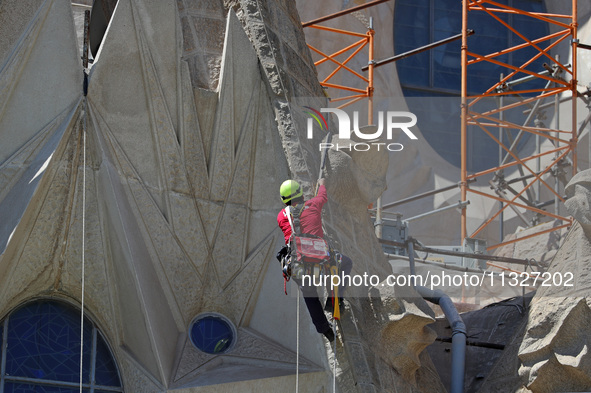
x=40, y=352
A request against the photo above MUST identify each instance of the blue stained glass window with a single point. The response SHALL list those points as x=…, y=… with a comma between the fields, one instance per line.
x=43, y=351
x=212, y=334
x=105, y=369
x=30, y=388
x=44, y=343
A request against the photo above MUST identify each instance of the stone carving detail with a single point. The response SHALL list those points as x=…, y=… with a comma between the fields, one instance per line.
x=578, y=204
x=251, y=354
x=396, y=331
x=555, y=350
x=358, y=178
x=554, y=353
x=404, y=337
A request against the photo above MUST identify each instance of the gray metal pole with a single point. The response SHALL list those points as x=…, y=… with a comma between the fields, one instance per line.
x=556, y=135
x=460, y=205
x=423, y=195
x=411, y=261
x=458, y=328
x=501, y=216
x=538, y=166
x=458, y=332
x=458, y=358
x=379, y=221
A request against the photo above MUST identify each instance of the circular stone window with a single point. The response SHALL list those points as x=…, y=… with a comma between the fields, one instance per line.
x=213, y=333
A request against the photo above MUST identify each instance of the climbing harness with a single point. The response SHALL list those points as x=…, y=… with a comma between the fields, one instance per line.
x=305, y=254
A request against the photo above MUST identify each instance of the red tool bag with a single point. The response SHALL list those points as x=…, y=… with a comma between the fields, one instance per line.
x=310, y=249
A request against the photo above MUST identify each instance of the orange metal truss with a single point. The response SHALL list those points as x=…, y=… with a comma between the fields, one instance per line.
x=566, y=26
x=366, y=39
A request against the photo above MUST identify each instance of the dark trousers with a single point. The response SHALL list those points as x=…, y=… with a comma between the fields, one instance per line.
x=315, y=308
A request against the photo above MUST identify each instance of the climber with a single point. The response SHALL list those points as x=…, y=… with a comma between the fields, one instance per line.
x=309, y=215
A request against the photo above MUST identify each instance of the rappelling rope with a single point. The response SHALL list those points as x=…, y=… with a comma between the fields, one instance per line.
x=84, y=126
x=288, y=211
x=334, y=361
x=83, y=239
x=297, y=342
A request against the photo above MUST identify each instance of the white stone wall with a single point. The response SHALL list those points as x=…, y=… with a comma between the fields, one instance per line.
x=180, y=182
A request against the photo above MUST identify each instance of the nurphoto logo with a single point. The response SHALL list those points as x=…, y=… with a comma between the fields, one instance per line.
x=387, y=122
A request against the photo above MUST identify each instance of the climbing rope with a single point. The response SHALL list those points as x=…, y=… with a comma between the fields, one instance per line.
x=83, y=240
x=334, y=361
x=297, y=342
x=84, y=126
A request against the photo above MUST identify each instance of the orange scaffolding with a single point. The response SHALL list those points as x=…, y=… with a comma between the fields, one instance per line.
x=564, y=142
x=365, y=40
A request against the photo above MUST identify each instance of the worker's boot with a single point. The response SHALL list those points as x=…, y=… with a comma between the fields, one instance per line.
x=329, y=305
x=329, y=334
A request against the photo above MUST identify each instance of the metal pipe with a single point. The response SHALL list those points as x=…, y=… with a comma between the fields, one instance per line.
x=481, y=344
x=384, y=214
x=384, y=219
x=501, y=172
x=423, y=195
x=529, y=78
x=556, y=135
x=458, y=335
x=458, y=328
x=430, y=250
x=417, y=50
x=520, y=133
x=521, y=178
x=344, y=12
x=513, y=147
x=411, y=261
x=538, y=166
x=501, y=194
x=464, y=119
x=442, y=265
x=371, y=62
x=574, y=43
x=546, y=105
x=547, y=203
x=461, y=205
x=379, y=220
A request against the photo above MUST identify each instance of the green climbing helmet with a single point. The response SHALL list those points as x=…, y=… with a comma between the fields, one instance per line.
x=290, y=189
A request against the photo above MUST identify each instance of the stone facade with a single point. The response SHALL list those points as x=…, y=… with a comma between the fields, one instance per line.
x=159, y=187
x=549, y=351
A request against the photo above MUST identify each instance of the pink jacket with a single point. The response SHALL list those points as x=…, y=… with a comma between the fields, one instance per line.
x=310, y=218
